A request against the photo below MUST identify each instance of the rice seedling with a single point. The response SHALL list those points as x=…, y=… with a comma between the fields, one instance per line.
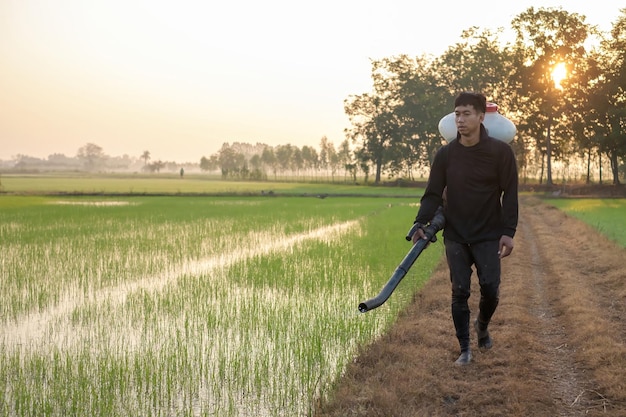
x=192, y=306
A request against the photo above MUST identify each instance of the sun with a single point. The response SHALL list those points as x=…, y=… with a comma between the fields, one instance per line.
x=559, y=73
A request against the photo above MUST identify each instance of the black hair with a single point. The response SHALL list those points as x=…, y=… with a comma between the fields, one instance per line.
x=477, y=100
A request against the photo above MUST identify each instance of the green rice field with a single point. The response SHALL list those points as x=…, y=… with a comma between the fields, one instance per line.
x=192, y=305
x=606, y=215
x=163, y=184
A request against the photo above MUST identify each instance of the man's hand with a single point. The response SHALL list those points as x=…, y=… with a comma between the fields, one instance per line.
x=505, y=247
x=419, y=234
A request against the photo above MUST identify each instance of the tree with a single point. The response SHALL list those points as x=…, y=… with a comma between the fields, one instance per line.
x=155, y=166
x=363, y=164
x=424, y=101
x=396, y=124
x=544, y=38
x=92, y=156
x=231, y=162
x=328, y=156
x=376, y=126
x=284, y=155
x=269, y=159
x=613, y=85
x=209, y=164
x=344, y=156
x=310, y=158
x=324, y=153
x=297, y=161
x=256, y=164
x=588, y=108
x=146, y=157
x=478, y=62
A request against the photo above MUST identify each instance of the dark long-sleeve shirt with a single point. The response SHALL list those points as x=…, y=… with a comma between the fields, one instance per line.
x=481, y=183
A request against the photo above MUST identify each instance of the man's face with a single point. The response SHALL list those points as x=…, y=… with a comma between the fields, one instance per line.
x=468, y=119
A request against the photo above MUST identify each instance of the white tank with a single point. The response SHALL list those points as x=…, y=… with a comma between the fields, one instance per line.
x=497, y=125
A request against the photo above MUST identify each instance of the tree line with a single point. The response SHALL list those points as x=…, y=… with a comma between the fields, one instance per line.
x=92, y=158
x=577, y=120
x=263, y=162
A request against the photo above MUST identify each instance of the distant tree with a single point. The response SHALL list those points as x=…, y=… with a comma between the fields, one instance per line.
x=328, y=158
x=155, y=166
x=363, y=162
x=269, y=158
x=344, y=155
x=256, y=165
x=334, y=161
x=231, y=162
x=209, y=164
x=324, y=157
x=146, y=157
x=92, y=156
x=310, y=158
x=297, y=160
x=284, y=154
x=58, y=158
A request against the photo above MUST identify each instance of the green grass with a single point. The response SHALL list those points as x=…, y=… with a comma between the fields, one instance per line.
x=606, y=215
x=116, y=306
x=190, y=184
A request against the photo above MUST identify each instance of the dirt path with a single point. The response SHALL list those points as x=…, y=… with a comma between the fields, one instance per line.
x=559, y=337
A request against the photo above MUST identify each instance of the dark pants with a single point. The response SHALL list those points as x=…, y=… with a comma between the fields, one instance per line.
x=461, y=257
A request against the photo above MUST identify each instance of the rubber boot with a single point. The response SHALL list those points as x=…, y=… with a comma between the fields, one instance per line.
x=465, y=358
x=482, y=334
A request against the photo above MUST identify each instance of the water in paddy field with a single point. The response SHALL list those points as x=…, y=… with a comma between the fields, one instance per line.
x=218, y=335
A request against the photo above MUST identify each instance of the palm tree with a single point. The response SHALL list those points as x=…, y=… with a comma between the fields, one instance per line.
x=146, y=157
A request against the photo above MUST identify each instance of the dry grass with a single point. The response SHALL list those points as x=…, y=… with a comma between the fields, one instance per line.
x=559, y=337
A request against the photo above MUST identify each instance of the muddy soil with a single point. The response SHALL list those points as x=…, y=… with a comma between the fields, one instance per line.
x=559, y=337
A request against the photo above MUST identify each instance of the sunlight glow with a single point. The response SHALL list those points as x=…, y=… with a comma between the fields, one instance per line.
x=559, y=73
x=180, y=79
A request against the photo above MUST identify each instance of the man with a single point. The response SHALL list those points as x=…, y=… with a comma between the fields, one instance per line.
x=477, y=176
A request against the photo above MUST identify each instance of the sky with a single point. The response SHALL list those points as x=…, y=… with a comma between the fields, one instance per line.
x=180, y=78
